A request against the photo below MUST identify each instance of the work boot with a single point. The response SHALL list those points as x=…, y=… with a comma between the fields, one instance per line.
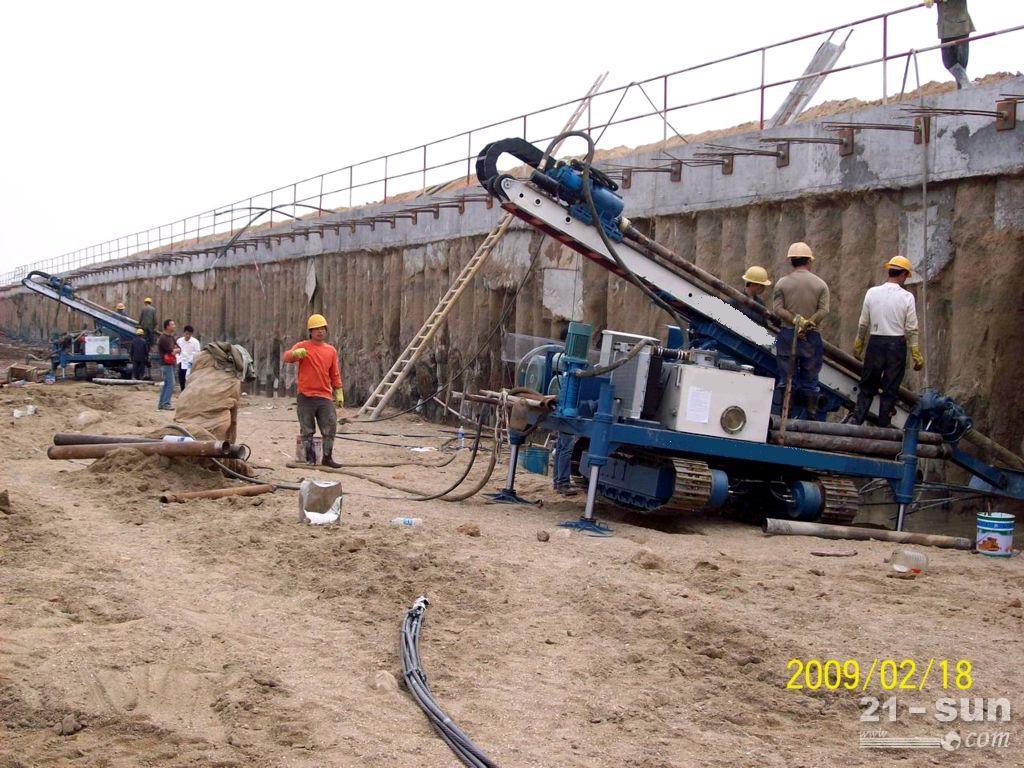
x=960, y=74
x=885, y=412
x=310, y=452
x=811, y=404
x=329, y=460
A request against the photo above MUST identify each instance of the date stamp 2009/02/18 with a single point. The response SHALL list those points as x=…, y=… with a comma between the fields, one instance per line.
x=883, y=674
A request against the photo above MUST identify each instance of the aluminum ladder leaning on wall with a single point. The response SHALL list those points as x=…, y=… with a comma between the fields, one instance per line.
x=406, y=361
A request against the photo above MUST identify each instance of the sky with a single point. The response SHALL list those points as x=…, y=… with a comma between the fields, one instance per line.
x=120, y=116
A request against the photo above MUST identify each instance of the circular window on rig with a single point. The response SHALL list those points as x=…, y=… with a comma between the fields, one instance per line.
x=734, y=419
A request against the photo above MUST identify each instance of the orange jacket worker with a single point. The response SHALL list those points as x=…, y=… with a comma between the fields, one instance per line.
x=319, y=389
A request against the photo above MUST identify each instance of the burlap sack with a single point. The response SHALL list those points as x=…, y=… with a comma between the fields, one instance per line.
x=210, y=399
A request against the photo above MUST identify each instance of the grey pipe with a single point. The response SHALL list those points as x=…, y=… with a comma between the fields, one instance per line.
x=881, y=448
x=851, y=430
x=775, y=527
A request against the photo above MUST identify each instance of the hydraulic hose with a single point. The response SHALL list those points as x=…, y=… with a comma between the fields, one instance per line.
x=601, y=370
x=423, y=496
x=230, y=472
x=589, y=198
x=416, y=683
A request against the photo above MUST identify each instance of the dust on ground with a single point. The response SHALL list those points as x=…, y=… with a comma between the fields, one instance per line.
x=224, y=633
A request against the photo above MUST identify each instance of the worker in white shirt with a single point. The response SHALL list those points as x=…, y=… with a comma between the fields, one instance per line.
x=888, y=322
x=189, y=346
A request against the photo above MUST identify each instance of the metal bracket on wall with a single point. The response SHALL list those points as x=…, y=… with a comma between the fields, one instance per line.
x=846, y=131
x=923, y=123
x=624, y=173
x=728, y=155
x=1004, y=115
x=844, y=141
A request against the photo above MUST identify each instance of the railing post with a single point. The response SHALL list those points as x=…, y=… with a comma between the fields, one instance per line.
x=885, y=59
x=664, y=108
x=469, y=153
x=320, y=201
x=350, y=186
x=386, y=178
x=761, y=119
x=424, y=167
x=295, y=199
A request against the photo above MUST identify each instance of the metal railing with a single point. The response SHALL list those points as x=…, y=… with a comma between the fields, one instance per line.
x=448, y=159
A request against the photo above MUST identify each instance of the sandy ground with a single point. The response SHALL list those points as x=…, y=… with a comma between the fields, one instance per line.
x=223, y=633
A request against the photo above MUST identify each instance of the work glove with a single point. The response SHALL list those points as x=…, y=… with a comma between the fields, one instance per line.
x=858, y=348
x=915, y=352
x=299, y=354
x=803, y=324
x=929, y=3
x=339, y=396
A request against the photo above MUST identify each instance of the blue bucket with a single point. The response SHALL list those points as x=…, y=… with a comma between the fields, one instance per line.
x=995, y=534
x=534, y=459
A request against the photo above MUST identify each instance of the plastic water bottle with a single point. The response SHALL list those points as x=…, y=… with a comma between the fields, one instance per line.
x=178, y=439
x=462, y=438
x=407, y=521
x=908, y=561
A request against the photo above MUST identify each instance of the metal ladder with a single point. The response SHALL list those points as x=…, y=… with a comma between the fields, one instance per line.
x=377, y=401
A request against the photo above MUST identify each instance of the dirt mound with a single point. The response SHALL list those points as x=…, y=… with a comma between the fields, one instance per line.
x=128, y=472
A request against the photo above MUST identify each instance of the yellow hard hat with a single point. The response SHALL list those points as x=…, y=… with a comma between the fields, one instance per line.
x=139, y=332
x=120, y=305
x=757, y=275
x=800, y=251
x=899, y=262
x=148, y=300
x=316, y=321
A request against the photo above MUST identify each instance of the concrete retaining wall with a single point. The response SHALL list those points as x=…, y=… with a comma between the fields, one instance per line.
x=376, y=287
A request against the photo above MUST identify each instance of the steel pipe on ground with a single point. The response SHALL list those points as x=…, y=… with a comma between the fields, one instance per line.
x=852, y=430
x=881, y=448
x=775, y=527
x=210, y=448
x=217, y=493
x=74, y=438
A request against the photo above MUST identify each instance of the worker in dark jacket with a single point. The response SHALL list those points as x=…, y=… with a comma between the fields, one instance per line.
x=147, y=320
x=755, y=282
x=955, y=26
x=138, y=353
x=801, y=299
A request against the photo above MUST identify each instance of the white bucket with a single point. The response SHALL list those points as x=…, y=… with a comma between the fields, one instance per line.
x=995, y=534
x=300, y=449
